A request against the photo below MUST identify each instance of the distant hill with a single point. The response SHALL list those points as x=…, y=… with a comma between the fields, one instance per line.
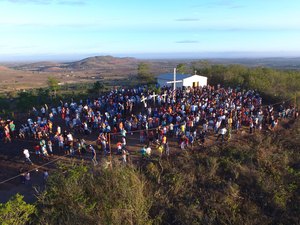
x=102, y=62
x=18, y=76
x=99, y=63
x=276, y=63
x=4, y=68
x=41, y=66
x=124, y=66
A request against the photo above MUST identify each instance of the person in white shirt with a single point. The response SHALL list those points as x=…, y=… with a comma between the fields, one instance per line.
x=222, y=133
x=27, y=178
x=148, y=151
x=58, y=130
x=205, y=127
x=171, y=129
x=70, y=137
x=27, y=155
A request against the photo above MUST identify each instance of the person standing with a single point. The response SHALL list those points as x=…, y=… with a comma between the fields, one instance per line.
x=45, y=176
x=222, y=133
x=160, y=150
x=12, y=128
x=124, y=156
x=229, y=122
x=143, y=151
x=148, y=151
x=164, y=142
x=191, y=140
x=94, y=155
x=123, y=133
x=60, y=142
x=27, y=155
x=167, y=149
x=251, y=126
x=49, y=143
x=22, y=175
x=7, y=137
x=58, y=130
x=124, y=142
x=27, y=177
x=50, y=126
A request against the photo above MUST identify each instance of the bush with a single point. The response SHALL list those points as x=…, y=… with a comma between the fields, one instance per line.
x=16, y=211
x=77, y=195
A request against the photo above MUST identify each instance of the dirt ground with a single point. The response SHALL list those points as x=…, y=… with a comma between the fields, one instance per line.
x=12, y=159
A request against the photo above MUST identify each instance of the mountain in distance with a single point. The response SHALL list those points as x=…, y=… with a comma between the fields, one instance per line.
x=4, y=68
x=166, y=65
x=128, y=65
x=18, y=76
x=102, y=62
x=96, y=63
x=104, y=66
x=45, y=66
x=276, y=63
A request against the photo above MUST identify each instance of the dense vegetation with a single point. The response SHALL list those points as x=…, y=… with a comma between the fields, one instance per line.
x=254, y=180
x=144, y=74
x=80, y=195
x=16, y=211
x=273, y=84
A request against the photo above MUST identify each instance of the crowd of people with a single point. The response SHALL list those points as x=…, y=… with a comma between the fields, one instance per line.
x=188, y=115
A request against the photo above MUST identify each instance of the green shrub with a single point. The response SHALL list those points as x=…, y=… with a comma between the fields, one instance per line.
x=16, y=211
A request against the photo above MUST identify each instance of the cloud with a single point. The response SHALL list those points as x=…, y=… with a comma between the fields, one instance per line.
x=187, y=20
x=187, y=42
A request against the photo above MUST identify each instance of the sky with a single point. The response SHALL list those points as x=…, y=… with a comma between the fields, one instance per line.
x=40, y=29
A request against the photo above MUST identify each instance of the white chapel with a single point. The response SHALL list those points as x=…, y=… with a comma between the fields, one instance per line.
x=181, y=80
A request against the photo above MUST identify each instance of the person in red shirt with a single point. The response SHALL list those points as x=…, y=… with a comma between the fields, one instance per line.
x=7, y=137
x=37, y=149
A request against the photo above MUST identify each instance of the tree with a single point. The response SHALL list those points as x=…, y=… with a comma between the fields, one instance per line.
x=144, y=73
x=26, y=99
x=97, y=87
x=53, y=85
x=43, y=95
x=16, y=211
x=181, y=68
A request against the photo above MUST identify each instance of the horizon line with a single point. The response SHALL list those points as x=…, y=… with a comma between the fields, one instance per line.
x=150, y=56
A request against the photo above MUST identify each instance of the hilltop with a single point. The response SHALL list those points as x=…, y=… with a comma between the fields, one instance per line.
x=102, y=62
x=34, y=75
x=252, y=179
x=19, y=76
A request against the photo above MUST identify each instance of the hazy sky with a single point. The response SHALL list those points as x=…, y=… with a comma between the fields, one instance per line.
x=153, y=27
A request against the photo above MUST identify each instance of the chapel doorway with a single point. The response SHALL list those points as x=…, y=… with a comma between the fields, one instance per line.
x=195, y=84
